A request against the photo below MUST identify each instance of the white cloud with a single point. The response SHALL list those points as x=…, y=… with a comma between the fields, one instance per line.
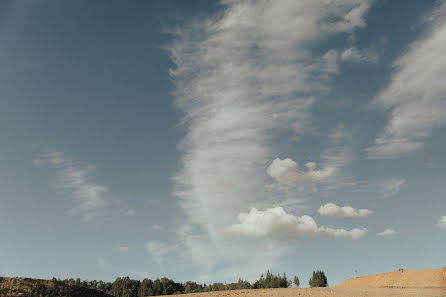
x=415, y=96
x=323, y=176
x=124, y=248
x=392, y=186
x=382, y=188
x=331, y=209
x=442, y=222
x=386, y=232
x=156, y=227
x=241, y=76
x=88, y=197
x=276, y=223
x=353, y=54
x=287, y=172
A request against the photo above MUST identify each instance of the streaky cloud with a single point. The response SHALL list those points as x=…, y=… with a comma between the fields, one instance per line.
x=88, y=198
x=241, y=76
x=414, y=98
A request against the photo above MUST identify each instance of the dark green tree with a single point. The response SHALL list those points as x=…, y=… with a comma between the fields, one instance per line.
x=296, y=281
x=192, y=287
x=145, y=289
x=157, y=287
x=318, y=279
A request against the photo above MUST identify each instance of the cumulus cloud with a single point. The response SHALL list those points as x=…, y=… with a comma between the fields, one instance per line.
x=331, y=209
x=415, y=96
x=275, y=222
x=74, y=179
x=442, y=222
x=386, y=232
x=240, y=76
x=287, y=172
x=355, y=55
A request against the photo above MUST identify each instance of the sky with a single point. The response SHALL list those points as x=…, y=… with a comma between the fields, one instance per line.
x=212, y=140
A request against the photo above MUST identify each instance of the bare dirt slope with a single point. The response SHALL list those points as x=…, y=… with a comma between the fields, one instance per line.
x=328, y=292
x=428, y=278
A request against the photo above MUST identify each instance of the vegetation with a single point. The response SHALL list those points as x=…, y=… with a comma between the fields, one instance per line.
x=318, y=279
x=127, y=287
x=296, y=282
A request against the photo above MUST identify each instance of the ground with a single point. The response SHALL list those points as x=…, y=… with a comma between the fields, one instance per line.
x=329, y=292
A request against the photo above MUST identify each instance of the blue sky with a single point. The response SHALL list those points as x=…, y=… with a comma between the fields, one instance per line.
x=214, y=140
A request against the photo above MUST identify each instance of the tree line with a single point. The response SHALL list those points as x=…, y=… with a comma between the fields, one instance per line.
x=127, y=287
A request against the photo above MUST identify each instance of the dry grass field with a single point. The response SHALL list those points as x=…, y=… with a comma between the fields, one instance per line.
x=329, y=292
x=401, y=283
x=427, y=278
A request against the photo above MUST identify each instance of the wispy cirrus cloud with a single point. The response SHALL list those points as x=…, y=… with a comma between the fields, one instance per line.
x=381, y=188
x=414, y=98
x=387, y=232
x=392, y=186
x=355, y=55
x=88, y=198
x=159, y=251
x=241, y=76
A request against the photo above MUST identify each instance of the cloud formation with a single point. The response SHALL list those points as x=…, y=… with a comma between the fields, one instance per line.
x=160, y=251
x=287, y=172
x=88, y=198
x=386, y=232
x=355, y=55
x=415, y=97
x=240, y=76
x=442, y=222
x=276, y=223
x=331, y=209
x=392, y=186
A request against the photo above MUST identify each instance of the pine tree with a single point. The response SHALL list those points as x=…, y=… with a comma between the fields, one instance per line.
x=296, y=281
x=318, y=279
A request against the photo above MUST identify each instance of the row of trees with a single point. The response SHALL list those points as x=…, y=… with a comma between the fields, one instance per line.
x=127, y=287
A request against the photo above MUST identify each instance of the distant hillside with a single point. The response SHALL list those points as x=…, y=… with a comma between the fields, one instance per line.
x=29, y=287
x=427, y=278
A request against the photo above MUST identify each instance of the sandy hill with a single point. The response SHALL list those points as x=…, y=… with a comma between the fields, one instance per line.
x=428, y=278
x=16, y=286
x=327, y=292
